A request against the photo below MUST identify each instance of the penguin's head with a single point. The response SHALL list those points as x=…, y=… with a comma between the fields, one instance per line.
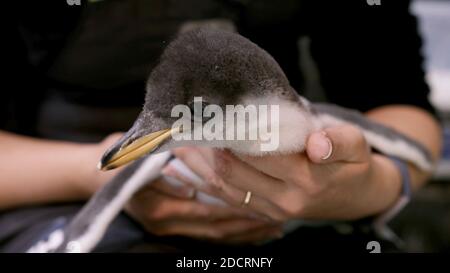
x=201, y=68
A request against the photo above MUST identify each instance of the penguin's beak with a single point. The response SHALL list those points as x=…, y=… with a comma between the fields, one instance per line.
x=130, y=147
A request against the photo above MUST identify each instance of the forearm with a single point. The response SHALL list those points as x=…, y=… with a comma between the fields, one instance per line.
x=34, y=171
x=418, y=125
x=383, y=186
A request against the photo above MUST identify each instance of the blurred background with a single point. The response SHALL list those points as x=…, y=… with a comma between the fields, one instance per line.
x=425, y=224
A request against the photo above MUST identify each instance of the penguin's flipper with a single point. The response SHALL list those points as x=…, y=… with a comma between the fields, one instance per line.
x=88, y=227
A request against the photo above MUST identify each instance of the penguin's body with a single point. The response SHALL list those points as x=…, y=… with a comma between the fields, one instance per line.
x=225, y=69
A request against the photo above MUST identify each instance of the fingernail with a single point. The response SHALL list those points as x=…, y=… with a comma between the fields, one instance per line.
x=324, y=146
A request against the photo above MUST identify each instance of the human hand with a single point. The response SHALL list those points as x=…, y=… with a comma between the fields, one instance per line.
x=336, y=178
x=163, y=214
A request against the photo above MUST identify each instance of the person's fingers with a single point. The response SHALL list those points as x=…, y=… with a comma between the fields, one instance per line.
x=216, y=186
x=233, y=196
x=342, y=143
x=256, y=236
x=172, y=186
x=282, y=167
x=319, y=147
x=180, y=167
x=243, y=176
x=208, y=199
x=194, y=168
x=176, y=165
x=165, y=215
x=215, y=230
x=150, y=206
x=338, y=144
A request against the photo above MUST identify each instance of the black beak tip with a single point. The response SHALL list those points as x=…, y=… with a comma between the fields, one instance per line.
x=104, y=168
x=106, y=158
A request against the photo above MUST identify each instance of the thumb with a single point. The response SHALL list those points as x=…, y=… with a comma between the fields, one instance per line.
x=341, y=143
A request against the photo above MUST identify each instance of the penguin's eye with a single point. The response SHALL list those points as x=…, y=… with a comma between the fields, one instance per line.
x=197, y=108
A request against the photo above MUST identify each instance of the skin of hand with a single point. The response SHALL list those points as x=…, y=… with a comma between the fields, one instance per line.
x=165, y=215
x=336, y=178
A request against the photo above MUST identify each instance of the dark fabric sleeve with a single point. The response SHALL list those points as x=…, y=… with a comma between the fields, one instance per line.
x=368, y=56
x=32, y=38
x=16, y=96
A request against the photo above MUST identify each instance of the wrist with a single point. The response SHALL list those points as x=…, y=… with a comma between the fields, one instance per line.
x=91, y=179
x=387, y=184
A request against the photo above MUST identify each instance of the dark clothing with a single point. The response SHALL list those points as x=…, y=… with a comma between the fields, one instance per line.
x=93, y=55
x=78, y=73
x=23, y=228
